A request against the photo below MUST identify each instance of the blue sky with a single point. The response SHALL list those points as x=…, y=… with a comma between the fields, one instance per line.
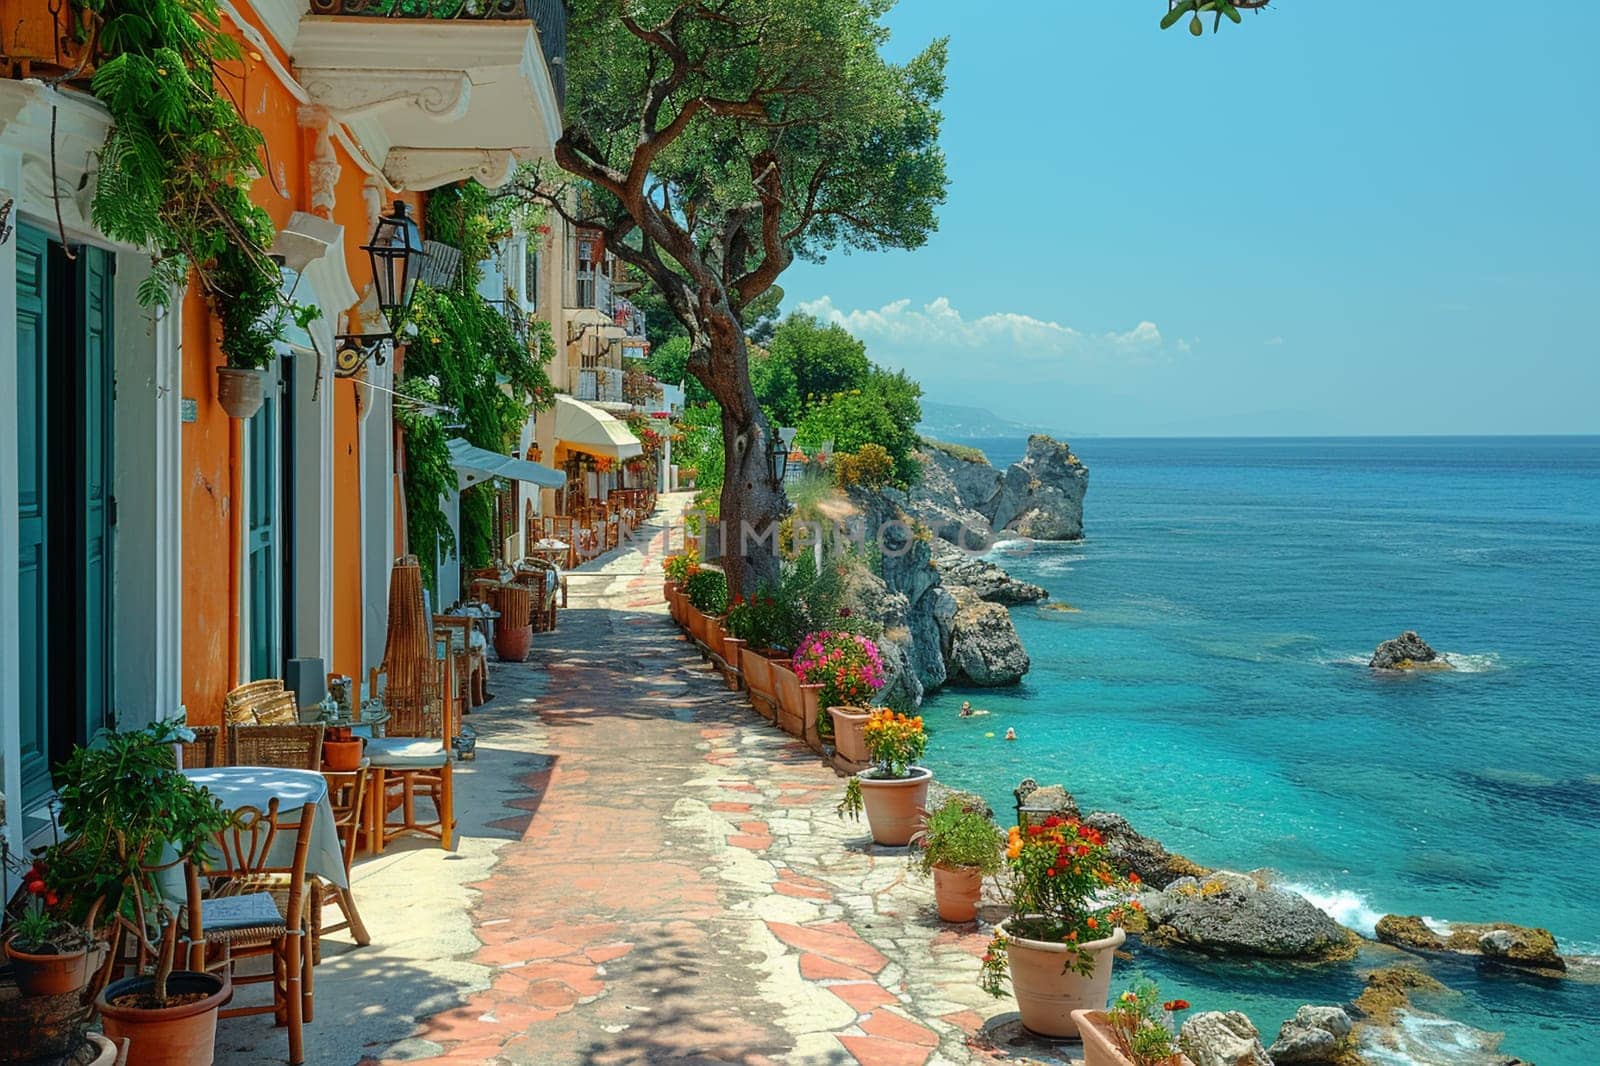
x=1334, y=219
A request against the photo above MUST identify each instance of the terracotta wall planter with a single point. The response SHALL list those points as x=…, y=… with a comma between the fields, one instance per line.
x=757, y=669
x=849, y=737
x=667, y=589
x=733, y=655
x=1100, y=1048
x=1047, y=992
x=810, y=698
x=51, y=975
x=895, y=806
x=345, y=755
x=956, y=891
x=177, y=1036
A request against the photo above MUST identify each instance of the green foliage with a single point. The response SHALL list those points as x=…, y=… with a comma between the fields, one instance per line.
x=176, y=169
x=124, y=810
x=464, y=349
x=1142, y=1026
x=707, y=590
x=885, y=411
x=1217, y=9
x=957, y=835
x=701, y=446
x=852, y=804
x=806, y=599
x=805, y=364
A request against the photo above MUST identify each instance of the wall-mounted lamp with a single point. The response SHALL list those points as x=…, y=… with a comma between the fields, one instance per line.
x=778, y=453
x=397, y=257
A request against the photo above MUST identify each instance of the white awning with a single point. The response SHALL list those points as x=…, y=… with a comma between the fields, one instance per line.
x=475, y=465
x=583, y=428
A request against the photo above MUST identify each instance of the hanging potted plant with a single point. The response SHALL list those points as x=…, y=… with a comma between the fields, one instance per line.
x=1138, y=1030
x=848, y=669
x=958, y=848
x=894, y=790
x=128, y=815
x=1066, y=904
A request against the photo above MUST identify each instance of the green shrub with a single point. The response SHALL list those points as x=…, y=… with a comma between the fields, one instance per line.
x=871, y=467
x=958, y=835
x=707, y=590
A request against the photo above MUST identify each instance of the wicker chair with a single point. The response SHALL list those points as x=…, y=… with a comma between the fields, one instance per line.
x=254, y=907
x=239, y=705
x=471, y=657
x=208, y=748
x=414, y=756
x=292, y=747
x=347, y=792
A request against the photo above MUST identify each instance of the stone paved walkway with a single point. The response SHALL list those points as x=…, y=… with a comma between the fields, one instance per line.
x=664, y=880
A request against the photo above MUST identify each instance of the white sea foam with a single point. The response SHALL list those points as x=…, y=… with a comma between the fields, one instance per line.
x=1349, y=909
x=1481, y=663
x=1428, y=1040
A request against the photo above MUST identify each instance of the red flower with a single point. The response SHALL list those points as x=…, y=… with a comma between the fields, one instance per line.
x=1052, y=821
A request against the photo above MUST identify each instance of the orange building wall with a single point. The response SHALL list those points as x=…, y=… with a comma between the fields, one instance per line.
x=211, y=473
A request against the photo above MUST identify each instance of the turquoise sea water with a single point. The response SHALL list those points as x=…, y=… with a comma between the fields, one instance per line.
x=1212, y=687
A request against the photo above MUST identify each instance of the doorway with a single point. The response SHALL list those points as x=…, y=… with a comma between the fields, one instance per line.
x=67, y=513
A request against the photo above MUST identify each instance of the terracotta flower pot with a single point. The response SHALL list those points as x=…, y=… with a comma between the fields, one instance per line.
x=512, y=643
x=1047, y=991
x=667, y=589
x=850, y=734
x=895, y=805
x=183, y=1035
x=1100, y=1047
x=49, y=975
x=791, y=704
x=240, y=391
x=810, y=703
x=956, y=890
x=733, y=655
x=345, y=755
x=757, y=670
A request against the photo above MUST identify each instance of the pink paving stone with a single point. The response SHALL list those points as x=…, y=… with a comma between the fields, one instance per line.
x=551, y=994
x=759, y=828
x=827, y=941
x=862, y=995
x=817, y=968
x=793, y=878
x=750, y=842
x=607, y=952
x=966, y=1020
x=784, y=888
x=876, y=1051
x=729, y=807
x=893, y=1027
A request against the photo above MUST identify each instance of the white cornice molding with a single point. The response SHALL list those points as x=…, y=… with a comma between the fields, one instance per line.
x=419, y=169
x=281, y=17
x=350, y=93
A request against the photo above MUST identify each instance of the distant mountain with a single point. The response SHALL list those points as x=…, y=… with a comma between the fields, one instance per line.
x=951, y=421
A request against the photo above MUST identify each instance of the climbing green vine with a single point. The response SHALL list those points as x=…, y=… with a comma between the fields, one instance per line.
x=175, y=173
x=486, y=367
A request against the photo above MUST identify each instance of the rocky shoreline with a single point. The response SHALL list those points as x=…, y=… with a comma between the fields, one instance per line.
x=944, y=611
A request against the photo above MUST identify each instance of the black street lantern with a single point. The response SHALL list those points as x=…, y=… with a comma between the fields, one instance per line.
x=396, y=252
x=778, y=453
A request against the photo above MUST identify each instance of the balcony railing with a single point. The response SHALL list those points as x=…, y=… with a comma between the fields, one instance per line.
x=602, y=385
x=550, y=16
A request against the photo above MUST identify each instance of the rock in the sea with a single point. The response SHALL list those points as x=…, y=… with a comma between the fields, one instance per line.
x=1134, y=853
x=1041, y=496
x=956, y=484
x=989, y=581
x=1049, y=799
x=1214, y=1038
x=1315, y=1035
x=939, y=795
x=1504, y=943
x=1237, y=914
x=1405, y=652
x=982, y=646
x=1388, y=991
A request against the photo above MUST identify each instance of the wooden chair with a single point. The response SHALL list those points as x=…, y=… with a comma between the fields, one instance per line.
x=347, y=793
x=255, y=907
x=471, y=657
x=293, y=747
x=414, y=755
x=239, y=705
x=208, y=748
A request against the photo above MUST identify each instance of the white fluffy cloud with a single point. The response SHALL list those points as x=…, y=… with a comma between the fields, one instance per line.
x=942, y=325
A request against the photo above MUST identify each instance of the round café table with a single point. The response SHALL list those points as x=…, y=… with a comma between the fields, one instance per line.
x=256, y=786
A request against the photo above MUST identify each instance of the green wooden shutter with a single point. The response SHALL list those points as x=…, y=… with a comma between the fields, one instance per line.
x=33, y=628
x=96, y=652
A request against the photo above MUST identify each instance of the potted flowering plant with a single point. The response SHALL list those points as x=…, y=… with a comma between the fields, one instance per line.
x=50, y=956
x=958, y=848
x=894, y=790
x=675, y=569
x=759, y=623
x=1057, y=946
x=1138, y=1030
x=707, y=590
x=847, y=669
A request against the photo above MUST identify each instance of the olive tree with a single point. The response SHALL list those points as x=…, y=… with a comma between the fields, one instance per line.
x=713, y=143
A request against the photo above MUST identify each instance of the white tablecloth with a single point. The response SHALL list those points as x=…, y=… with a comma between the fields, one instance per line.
x=255, y=786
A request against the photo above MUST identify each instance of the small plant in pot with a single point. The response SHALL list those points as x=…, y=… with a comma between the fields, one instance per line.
x=849, y=669
x=675, y=569
x=894, y=790
x=959, y=847
x=128, y=815
x=707, y=590
x=1139, y=1029
x=49, y=955
x=341, y=749
x=1066, y=904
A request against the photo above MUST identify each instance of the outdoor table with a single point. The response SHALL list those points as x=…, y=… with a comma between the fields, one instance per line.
x=257, y=786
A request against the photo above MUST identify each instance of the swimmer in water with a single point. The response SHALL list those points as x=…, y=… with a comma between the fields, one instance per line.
x=1011, y=734
x=968, y=711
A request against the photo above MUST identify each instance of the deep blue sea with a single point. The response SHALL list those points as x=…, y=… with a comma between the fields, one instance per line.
x=1211, y=686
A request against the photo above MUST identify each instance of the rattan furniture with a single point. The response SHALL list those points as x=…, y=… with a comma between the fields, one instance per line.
x=208, y=748
x=293, y=747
